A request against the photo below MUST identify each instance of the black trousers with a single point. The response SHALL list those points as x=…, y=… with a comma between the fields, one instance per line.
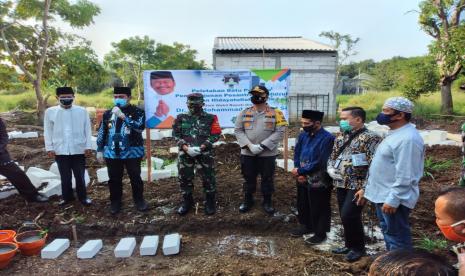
x=67, y=166
x=314, y=208
x=115, y=174
x=19, y=179
x=251, y=167
x=351, y=217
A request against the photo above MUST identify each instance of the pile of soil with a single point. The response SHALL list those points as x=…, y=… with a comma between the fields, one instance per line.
x=222, y=244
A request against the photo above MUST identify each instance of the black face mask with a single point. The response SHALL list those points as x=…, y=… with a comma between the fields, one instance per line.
x=309, y=129
x=255, y=99
x=66, y=101
x=195, y=109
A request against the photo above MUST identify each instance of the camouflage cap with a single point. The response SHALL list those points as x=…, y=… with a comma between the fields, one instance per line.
x=195, y=98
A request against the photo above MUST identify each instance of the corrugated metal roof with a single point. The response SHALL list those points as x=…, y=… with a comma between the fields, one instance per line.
x=289, y=43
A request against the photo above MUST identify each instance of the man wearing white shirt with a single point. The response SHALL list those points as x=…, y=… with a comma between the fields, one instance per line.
x=67, y=133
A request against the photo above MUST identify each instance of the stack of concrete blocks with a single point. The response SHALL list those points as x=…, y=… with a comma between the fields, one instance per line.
x=54, y=169
x=290, y=164
x=7, y=190
x=125, y=248
x=172, y=244
x=90, y=249
x=55, y=249
x=173, y=168
x=102, y=175
x=39, y=176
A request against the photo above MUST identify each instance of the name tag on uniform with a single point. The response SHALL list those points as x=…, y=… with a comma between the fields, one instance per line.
x=359, y=160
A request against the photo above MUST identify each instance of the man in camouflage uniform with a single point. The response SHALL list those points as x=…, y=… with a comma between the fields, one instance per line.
x=195, y=133
x=258, y=130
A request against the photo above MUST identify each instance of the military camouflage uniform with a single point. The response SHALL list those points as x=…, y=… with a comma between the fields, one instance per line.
x=194, y=131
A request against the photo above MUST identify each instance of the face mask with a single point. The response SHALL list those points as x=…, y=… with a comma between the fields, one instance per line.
x=255, y=99
x=195, y=109
x=384, y=119
x=308, y=129
x=449, y=233
x=120, y=102
x=66, y=101
x=345, y=126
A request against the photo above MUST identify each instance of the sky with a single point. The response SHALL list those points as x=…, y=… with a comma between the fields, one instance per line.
x=386, y=28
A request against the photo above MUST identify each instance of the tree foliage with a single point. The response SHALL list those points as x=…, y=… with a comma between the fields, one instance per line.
x=344, y=44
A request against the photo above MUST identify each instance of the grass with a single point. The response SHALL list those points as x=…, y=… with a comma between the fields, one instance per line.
x=426, y=106
x=432, y=166
x=432, y=244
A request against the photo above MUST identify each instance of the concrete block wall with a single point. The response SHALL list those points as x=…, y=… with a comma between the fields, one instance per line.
x=311, y=73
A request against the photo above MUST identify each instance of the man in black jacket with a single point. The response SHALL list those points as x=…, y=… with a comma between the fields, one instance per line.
x=14, y=174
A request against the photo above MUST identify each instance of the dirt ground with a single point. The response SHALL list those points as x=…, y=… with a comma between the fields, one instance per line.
x=228, y=243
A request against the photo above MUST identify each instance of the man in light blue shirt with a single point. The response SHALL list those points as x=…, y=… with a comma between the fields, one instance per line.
x=395, y=172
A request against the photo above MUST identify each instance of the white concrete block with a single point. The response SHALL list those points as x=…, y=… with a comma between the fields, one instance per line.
x=161, y=174
x=155, y=134
x=90, y=249
x=174, y=150
x=144, y=173
x=332, y=129
x=22, y=135
x=125, y=248
x=290, y=164
x=54, y=169
x=173, y=168
x=55, y=249
x=102, y=175
x=53, y=188
x=94, y=143
x=167, y=133
x=157, y=163
x=437, y=136
x=149, y=246
x=38, y=176
x=7, y=190
x=218, y=143
x=171, y=244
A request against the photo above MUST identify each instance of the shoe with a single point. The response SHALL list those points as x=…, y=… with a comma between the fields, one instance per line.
x=299, y=232
x=186, y=205
x=247, y=204
x=353, y=256
x=314, y=240
x=268, y=205
x=142, y=206
x=210, y=204
x=86, y=202
x=65, y=202
x=115, y=207
x=340, y=250
x=38, y=198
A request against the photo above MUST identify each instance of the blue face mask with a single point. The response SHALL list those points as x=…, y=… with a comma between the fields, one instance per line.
x=120, y=102
x=345, y=126
x=384, y=119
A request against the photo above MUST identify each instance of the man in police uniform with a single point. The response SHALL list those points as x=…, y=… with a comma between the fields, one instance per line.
x=258, y=130
x=195, y=133
x=120, y=142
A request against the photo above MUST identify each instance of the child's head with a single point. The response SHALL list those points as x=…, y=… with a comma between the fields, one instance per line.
x=450, y=213
x=162, y=82
x=404, y=262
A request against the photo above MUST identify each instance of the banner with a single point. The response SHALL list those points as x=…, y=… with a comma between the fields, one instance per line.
x=225, y=93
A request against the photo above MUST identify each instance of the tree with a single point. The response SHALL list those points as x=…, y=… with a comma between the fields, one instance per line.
x=177, y=56
x=29, y=40
x=79, y=67
x=131, y=55
x=421, y=77
x=344, y=45
x=441, y=19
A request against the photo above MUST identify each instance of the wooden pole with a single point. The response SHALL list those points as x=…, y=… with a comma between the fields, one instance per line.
x=286, y=149
x=149, y=155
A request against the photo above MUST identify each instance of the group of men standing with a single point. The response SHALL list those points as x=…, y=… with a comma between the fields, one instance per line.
x=361, y=166
x=357, y=162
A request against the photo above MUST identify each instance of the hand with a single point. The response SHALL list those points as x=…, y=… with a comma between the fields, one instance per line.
x=360, y=200
x=162, y=109
x=88, y=152
x=51, y=154
x=203, y=147
x=294, y=172
x=193, y=151
x=185, y=148
x=387, y=209
x=255, y=149
x=118, y=113
x=100, y=157
x=301, y=179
